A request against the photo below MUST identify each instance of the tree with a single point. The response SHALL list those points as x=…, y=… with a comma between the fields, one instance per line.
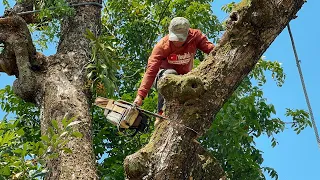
x=230, y=47
x=56, y=84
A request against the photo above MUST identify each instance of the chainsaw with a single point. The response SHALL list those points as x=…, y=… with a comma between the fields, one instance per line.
x=125, y=115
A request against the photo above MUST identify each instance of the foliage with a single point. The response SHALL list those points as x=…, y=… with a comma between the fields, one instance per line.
x=103, y=65
x=245, y=117
x=23, y=150
x=111, y=147
x=50, y=15
x=300, y=119
x=131, y=22
x=138, y=25
x=20, y=159
x=228, y=7
x=6, y=4
x=11, y=104
x=47, y=28
x=274, y=67
x=17, y=157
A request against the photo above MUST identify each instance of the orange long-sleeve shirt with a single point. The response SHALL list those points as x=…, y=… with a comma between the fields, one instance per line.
x=166, y=56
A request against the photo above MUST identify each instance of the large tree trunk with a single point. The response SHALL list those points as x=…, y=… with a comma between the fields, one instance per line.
x=193, y=100
x=56, y=83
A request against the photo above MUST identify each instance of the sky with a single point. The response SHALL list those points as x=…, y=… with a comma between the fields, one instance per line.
x=297, y=157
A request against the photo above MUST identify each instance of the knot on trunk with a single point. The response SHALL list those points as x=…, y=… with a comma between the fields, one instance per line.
x=182, y=88
x=26, y=91
x=135, y=166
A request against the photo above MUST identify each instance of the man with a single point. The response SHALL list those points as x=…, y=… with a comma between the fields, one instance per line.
x=173, y=54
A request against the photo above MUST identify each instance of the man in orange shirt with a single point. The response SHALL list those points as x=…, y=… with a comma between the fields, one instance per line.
x=173, y=54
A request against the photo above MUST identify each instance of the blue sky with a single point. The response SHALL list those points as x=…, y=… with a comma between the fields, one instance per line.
x=296, y=157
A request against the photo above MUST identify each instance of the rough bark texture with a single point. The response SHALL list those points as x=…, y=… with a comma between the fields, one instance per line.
x=194, y=99
x=23, y=6
x=56, y=83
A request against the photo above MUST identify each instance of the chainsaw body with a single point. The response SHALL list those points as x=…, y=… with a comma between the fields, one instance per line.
x=123, y=114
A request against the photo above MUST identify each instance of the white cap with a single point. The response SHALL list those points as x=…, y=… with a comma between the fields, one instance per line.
x=179, y=29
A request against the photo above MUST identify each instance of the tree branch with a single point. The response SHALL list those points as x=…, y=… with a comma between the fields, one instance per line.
x=26, y=5
x=19, y=56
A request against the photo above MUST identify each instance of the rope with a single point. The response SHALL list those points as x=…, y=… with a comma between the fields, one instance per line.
x=70, y=5
x=304, y=86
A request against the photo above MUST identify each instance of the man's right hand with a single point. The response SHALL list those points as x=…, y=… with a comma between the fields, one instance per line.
x=138, y=100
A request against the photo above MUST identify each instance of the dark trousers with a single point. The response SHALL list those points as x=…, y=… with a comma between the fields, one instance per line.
x=161, y=74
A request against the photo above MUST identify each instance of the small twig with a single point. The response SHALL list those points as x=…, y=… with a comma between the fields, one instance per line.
x=130, y=76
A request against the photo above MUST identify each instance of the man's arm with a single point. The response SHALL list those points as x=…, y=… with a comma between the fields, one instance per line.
x=154, y=63
x=203, y=43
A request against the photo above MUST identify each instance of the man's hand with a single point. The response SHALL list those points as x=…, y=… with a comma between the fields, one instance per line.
x=138, y=100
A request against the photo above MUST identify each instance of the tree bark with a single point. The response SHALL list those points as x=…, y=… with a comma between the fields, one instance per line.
x=56, y=83
x=194, y=99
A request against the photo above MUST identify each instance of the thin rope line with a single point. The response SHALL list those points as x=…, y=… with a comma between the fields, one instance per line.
x=70, y=5
x=304, y=86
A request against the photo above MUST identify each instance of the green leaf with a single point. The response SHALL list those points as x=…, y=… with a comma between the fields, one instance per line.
x=41, y=151
x=67, y=150
x=51, y=132
x=20, y=132
x=45, y=138
x=17, y=151
x=64, y=122
x=7, y=138
x=77, y=134
x=55, y=124
x=63, y=134
x=72, y=120
x=53, y=156
x=73, y=123
x=5, y=171
x=90, y=35
x=54, y=138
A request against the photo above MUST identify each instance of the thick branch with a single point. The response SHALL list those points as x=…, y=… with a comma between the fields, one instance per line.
x=8, y=64
x=25, y=85
x=19, y=56
x=26, y=5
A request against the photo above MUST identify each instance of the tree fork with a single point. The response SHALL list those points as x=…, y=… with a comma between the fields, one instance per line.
x=194, y=99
